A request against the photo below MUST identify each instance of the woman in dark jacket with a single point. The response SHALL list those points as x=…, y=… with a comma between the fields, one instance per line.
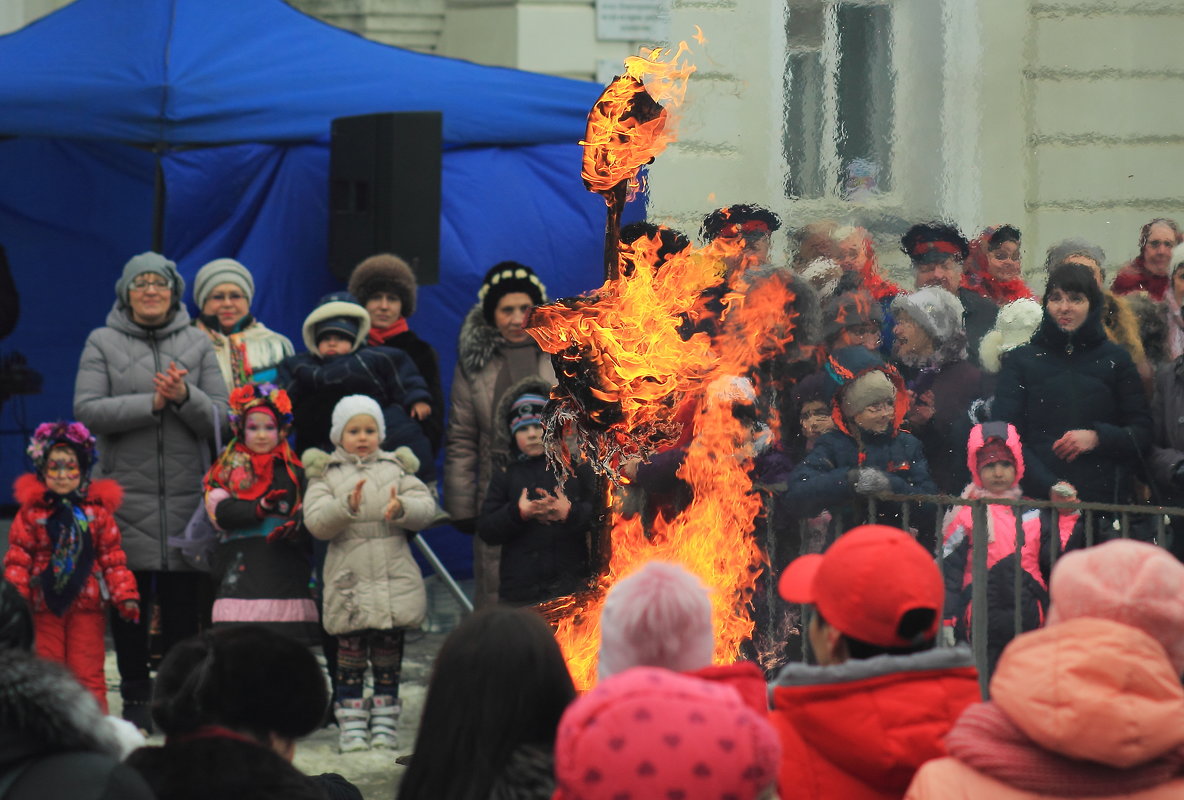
x=385, y=286
x=1075, y=397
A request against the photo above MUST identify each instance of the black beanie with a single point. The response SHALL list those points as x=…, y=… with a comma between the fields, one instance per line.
x=506, y=278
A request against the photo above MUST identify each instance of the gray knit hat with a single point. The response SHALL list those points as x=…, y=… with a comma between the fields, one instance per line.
x=384, y=273
x=156, y=264
x=873, y=386
x=937, y=311
x=218, y=272
x=1075, y=247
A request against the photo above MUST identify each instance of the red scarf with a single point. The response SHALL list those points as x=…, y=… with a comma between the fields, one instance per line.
x=378, y=336
x=978, y=278
x=247, y=475
x=873, y=280
x=985, y=739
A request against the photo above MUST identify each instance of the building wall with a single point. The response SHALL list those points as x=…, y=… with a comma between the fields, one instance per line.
x=412, y=24
x=18, y=13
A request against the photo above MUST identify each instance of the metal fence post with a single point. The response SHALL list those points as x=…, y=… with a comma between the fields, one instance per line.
x=978, y=595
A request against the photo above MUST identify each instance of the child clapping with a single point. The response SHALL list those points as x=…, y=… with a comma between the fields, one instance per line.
x=366, y=504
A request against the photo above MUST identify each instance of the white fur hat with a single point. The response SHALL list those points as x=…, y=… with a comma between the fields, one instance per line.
x=349, y=407
x=1014, y=326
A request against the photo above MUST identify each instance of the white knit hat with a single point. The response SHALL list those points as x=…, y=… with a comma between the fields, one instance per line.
x=349, y=407
x=1014, y=326
x=937, y=311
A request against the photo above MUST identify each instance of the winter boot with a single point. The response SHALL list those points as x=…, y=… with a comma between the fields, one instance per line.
x=384, y=721
x=351, y=719
x=137, y=709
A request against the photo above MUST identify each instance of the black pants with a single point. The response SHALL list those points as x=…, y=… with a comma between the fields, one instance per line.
x=183, y=598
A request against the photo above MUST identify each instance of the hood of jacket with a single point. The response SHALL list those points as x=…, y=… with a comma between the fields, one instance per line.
x=847, y=364
x=1094, y=690
x=1011, y=438
x=1090, y=334
x=335, y=308
x=880, y=718
x=503, y=442
x=477, y=343
x=44, y=709
x=119, y=318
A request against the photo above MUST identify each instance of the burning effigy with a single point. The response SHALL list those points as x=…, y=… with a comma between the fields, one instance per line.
x=643, y=358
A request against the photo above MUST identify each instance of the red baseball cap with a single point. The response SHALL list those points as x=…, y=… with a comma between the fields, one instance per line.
x=866, y=581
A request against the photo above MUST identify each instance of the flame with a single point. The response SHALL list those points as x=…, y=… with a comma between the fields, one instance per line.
x=629, y=125
x=625, y=373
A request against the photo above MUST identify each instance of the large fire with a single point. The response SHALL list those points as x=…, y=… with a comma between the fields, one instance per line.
x=625, y=372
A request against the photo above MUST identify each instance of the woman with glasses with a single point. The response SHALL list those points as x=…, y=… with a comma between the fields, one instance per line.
x=248, y=352
x=994, y=269
x=149, y=386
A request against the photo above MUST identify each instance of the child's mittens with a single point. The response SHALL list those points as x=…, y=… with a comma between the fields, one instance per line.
x=286, y=532
x=868, y=480
x=129, y=610
x=274, y=501
x=407, y=459
x=314, y=460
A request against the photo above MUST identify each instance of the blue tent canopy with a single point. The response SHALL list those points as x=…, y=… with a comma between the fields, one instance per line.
x=234, y=100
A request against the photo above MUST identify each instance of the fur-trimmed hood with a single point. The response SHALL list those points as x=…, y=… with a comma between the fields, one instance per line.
x=503, y=442
x=477, y=343
x=29, y=490
x=335, y=308
x=43, y=709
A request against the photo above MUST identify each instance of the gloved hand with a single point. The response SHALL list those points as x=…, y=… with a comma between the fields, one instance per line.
x=289, y=531
x=314, y=460
x=869, y=480
x=274, y=501
x=129, y=610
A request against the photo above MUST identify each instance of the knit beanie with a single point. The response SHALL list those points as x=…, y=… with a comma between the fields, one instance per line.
x=526, y=410
x=351, y=406
x=1014, y=326
x=1074, y=247
x=938, y=312
x=1134, y=583
x=157, y=265
x=823, y=274
x=650, y=733
x=218, y=272
x=660, y=616
x=506, y=278
x=868, y=389
x=849, y=310
x=384, y=273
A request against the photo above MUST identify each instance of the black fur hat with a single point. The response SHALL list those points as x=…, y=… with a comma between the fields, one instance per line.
x=384, y=273
x=934, y=241
x=506, y=278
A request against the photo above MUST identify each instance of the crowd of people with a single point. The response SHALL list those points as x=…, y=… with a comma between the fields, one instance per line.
x=219, y=563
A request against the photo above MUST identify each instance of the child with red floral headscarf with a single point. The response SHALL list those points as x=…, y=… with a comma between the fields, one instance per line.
x=253, y=496
x=64, y=553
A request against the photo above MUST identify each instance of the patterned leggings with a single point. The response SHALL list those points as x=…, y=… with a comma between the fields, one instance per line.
x=383, y=649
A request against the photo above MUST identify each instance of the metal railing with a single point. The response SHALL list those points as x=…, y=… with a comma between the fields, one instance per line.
x=1116, y=517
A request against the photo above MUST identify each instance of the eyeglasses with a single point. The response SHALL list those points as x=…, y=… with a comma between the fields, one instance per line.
x=231, y=297
x=1160, y=243
x=144, y=284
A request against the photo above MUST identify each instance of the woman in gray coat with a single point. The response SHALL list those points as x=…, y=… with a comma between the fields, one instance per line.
x=150, y=387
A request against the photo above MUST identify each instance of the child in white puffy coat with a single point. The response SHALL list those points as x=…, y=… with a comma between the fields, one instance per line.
x=367, y=505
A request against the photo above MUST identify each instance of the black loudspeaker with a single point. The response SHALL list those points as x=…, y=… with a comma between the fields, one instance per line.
x=384, y=191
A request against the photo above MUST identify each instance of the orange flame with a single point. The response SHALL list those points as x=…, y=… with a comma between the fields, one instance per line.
x=629, y=125
x=625, y=340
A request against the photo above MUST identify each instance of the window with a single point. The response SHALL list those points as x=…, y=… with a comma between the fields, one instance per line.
x=840, y=99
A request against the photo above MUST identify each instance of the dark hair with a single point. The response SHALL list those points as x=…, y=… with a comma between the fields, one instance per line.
x=672, y=241
x=935, y=231
x=1072, y=277
x=913, y=624
x=247, y=678
x=16, y=620
x=1002, y=234
x=499, y=682
x=715, y=222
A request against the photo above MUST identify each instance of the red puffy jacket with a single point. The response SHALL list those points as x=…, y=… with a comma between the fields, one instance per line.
x=29, y=549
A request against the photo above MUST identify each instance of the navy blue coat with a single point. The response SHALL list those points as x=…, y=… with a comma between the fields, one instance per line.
x=315, y=384
x=1060, y=382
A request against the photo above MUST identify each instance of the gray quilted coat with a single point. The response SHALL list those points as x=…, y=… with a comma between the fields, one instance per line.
x=371, y=578
x=158, y=458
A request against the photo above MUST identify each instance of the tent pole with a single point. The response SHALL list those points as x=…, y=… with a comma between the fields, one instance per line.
x=158, y=199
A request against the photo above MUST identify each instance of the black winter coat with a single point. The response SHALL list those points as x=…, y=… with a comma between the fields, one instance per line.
x=821, y=481
x=428, y=363
x=315, y=384
x=539, y=560
x=1060, y=382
